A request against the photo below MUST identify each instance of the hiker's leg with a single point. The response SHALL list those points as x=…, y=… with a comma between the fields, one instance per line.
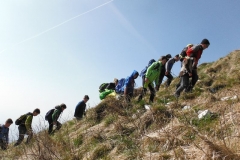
x=143, y=81
x=169, y=80
x=59, y=125
x=3, y=145
x=50, y=129
x=152, y=91
x=30, y=135
x=161, y=76
x=179, y=83
x=194, y=77
x=142, y=94
x=184, y=84
x=22, y=131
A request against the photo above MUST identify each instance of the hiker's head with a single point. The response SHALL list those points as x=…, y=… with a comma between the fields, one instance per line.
x=177, y=58
x=168, y=56
x=85, y=98
x=163, y=59
x=36, y=112
x=63, y=106
x=135, y=75
x=115, y=81
x=8, y=122
x=205, y=43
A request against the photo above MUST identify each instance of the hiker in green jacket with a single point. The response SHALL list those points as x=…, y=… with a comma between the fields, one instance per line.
x=151, y=76
x=54, y=118
x=25, y=126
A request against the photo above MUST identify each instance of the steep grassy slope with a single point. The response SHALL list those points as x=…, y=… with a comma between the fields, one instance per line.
x=116, y=130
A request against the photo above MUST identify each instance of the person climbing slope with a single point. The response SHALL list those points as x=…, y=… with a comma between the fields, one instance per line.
x=152, y=75
x=128, y=87
x=196, y=52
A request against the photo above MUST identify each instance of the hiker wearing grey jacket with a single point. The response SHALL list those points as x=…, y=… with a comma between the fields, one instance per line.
x=169, y=66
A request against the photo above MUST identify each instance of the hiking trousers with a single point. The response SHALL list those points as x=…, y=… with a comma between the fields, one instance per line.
x=3, y=145
x=144, y=90
x=169, y=79
x=193, y=81
x=184, y=84
x=50, y=129
x=22, y=131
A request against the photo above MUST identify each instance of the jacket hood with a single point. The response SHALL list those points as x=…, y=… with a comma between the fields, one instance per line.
x=58, y=108
x=133, y=73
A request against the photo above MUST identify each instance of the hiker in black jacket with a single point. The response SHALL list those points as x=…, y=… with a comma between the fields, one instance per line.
x=162, y=74
x=80, y=108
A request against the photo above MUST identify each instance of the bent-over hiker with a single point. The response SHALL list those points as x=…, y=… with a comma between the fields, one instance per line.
x=169, y=64
x=52, y=117
x=25, y=126
x=152, y=75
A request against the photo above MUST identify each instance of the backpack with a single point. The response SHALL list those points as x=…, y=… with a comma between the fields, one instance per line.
x=102, y=87
x=22, y=118
x=143, y=72
x=48, y=114
x=119, y=86
x=183, y=54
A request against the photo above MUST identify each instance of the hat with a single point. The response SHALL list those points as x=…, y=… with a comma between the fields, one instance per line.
x=205, y=41
x=168, y=56
x=177, y=55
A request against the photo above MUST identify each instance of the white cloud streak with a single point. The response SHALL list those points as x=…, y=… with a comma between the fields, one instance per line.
x=56, y=26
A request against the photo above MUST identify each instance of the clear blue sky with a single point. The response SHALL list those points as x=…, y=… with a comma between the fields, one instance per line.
x=73, y=59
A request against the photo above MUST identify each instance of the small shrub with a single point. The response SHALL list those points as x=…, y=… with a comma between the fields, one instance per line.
x=78, y=141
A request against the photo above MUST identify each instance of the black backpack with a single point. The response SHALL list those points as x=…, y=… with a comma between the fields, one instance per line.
x=102, y=87
x=22, y=119
x=48, y=114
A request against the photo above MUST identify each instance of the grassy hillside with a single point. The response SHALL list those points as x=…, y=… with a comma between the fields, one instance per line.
x=117, y=130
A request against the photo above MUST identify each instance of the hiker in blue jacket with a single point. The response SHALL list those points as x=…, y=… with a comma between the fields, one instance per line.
x=4, y=131
x=128, y=87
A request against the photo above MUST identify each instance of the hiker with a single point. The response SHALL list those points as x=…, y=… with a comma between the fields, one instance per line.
x=52, y=117
x=196, y=52
x=185, y=74
x=151, y=76
x=128, y=87
x=4, y=131
x=169, y=65
x=110, y=86
x=163, y=71
x=25, y=126
x=182, y=55
x=80, y=108
x=143, y=72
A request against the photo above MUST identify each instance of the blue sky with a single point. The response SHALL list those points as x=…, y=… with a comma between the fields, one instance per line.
x=73, y=59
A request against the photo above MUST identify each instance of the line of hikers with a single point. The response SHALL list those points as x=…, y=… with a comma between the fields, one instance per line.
x=155, y=71
x=24, y=122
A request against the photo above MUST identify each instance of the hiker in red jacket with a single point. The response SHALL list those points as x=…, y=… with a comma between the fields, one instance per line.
x=196, y=52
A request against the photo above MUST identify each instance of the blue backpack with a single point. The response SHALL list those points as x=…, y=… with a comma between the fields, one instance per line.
x=120, y=85
x=143, y=72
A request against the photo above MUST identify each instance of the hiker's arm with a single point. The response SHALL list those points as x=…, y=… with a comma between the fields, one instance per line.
x=28, y=122
x=125, y=90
